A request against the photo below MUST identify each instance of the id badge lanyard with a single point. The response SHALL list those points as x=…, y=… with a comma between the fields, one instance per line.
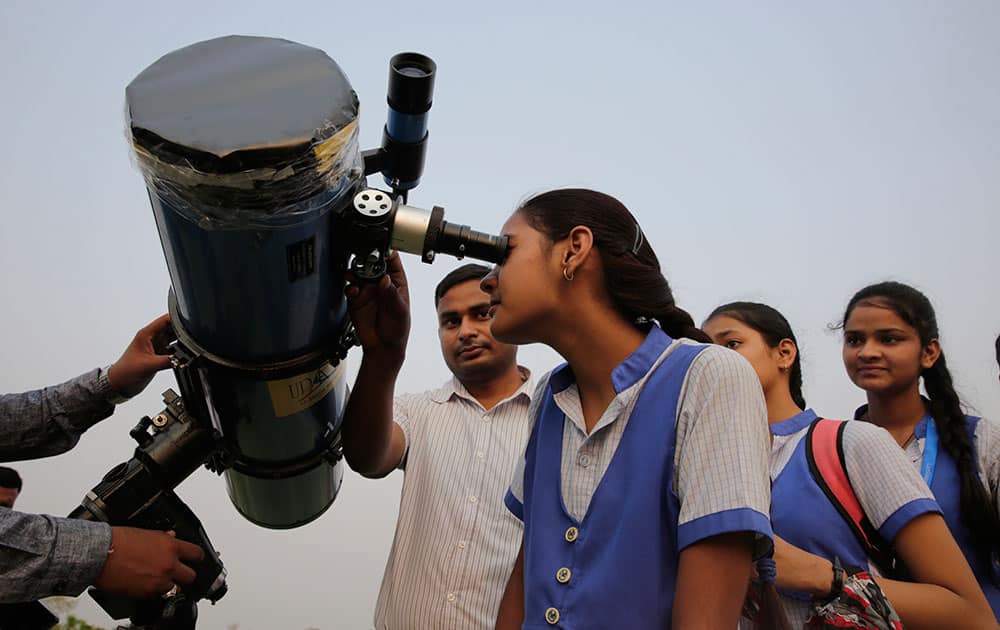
x=930, y=452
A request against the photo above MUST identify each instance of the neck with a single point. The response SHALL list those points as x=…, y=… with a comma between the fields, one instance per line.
x=780, y=406
x=897, y=412
x=490, y=391
x=594, y=346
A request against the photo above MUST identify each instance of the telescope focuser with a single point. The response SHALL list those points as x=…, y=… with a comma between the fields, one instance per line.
x=380, y=223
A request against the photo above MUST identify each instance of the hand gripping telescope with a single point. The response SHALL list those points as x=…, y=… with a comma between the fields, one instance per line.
x=249, y=150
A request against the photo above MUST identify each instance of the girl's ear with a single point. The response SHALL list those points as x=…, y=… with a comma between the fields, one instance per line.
x=786, y=353
x=929, y=354
x=578, y=245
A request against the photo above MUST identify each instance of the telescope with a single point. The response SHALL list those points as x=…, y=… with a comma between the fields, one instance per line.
x=249, y=151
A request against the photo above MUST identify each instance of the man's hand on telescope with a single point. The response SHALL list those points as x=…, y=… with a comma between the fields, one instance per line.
x=145, y=563
x=139, y=363
x=381, y=311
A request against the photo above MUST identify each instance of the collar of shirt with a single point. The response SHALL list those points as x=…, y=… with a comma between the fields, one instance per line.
x=624, y=378
x=794, y=424
x=915, y=448
x=628, y=372
x=455, y=388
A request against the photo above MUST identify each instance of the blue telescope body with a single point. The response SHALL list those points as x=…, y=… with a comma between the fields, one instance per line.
x=249, y=149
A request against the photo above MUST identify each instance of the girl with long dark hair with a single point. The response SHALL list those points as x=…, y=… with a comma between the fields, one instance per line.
x=891, y=345
x=644, y=488
x=811, y=536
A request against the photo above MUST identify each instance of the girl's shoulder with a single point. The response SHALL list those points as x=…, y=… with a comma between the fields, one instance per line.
x=875, y=447
x=712, y=358
x=987, y=437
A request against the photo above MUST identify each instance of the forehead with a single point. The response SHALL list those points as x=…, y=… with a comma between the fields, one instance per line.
x=462, y=297
x=873, y=317
x=721, y=324
x=516, y=224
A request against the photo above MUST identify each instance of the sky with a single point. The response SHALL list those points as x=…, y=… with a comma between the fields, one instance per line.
x=784, y=152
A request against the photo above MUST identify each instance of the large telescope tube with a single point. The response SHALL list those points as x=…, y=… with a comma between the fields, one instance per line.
x=248, y=146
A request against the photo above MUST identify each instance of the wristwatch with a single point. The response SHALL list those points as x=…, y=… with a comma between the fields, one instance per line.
x=838, y=579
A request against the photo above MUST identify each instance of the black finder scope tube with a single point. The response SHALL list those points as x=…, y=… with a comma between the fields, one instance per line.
x=404, y=140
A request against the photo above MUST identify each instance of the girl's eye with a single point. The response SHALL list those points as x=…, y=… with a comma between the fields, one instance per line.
x=733, y=344
x=851, y=340
x=890, y=339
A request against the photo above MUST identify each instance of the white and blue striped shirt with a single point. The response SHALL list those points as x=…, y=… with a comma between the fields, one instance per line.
x=455, y=541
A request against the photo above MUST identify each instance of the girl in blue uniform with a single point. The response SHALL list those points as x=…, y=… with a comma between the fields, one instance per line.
x=644, y=488
x=809, y=532
x=890, y=345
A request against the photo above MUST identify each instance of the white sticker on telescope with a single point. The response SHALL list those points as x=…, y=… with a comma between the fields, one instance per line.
x=292, y=395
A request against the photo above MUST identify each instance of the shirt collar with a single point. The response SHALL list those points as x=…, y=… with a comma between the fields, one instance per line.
x=794, y=424
x=454, y=387
x=628, y=372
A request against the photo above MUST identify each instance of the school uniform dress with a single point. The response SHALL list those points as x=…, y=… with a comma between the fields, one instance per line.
x=890, y=492
x=679, y=455
x=945, y=483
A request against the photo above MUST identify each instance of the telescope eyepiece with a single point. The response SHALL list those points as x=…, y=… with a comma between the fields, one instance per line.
x=411, y=83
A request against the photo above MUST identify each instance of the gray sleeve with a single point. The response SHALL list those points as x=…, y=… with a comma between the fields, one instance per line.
x=49, y=421
x=43, y=555
x=723, y=444
x=988, y=456
x=888, y=486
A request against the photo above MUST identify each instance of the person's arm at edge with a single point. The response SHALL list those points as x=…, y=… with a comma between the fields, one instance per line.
x=511, y=613
x=374, y=445
x=707, y=597
x=721, y=426
x=44, y=555
x=49, y=421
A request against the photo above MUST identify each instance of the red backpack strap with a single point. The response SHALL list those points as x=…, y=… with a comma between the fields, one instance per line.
x=825, y=454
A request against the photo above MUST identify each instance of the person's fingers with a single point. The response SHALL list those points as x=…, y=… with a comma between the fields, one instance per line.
x=159, y=361
x=395, y=271
x=183, y=574
x=189, y=552
x=155, y=326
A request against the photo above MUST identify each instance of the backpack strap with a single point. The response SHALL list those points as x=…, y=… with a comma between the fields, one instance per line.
x=825, y=454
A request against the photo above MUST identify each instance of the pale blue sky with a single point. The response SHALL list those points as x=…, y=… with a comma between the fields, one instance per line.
x=787, y=152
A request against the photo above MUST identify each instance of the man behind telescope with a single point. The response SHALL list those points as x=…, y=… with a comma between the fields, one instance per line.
x=44, y=555
x=455, y=541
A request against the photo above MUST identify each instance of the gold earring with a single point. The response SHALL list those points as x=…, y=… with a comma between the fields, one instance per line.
x=566, y=274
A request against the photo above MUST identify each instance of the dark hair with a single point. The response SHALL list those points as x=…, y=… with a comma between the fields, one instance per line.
x=9, y=478
x=632, y=273
x=997, y=344
x=915, y=309
x=773, y=327
x=470, y=271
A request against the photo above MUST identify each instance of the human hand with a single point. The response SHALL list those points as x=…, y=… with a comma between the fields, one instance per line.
x=146, y=563
x=380, y=311
x=799, y=570
x=139, y=363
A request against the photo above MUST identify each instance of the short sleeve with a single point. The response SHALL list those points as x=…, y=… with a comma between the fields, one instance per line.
x=891, y=491
x=514, y=498
x=988, y=456
x=401, y=415
x=721, y=458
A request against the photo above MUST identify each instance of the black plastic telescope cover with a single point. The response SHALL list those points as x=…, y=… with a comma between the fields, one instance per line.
x=222, y=118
